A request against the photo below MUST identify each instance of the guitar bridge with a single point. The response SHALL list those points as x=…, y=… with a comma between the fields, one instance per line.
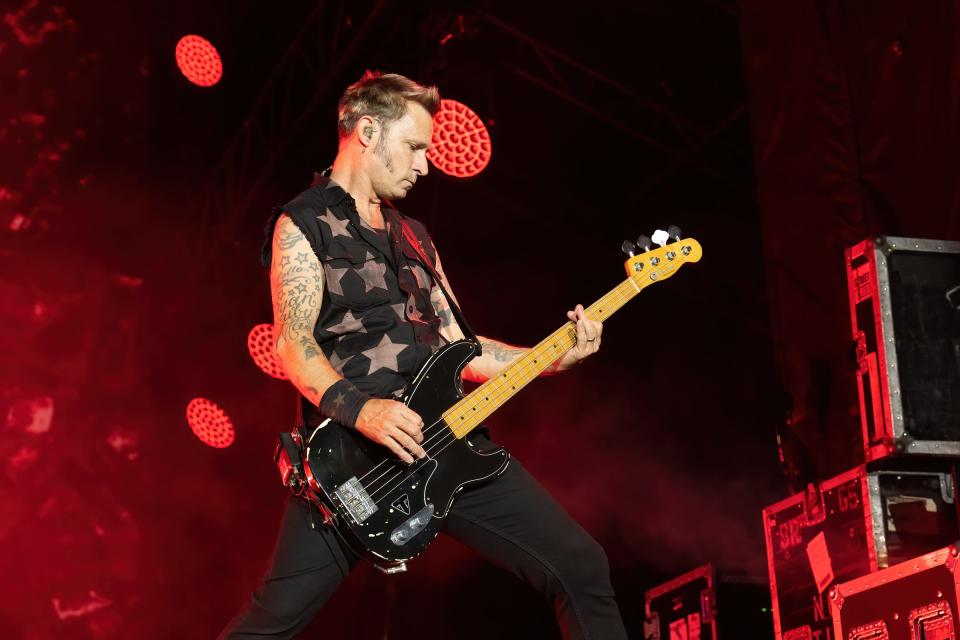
x=355, y=500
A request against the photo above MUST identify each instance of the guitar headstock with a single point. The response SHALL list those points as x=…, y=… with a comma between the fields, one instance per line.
x=662, y=262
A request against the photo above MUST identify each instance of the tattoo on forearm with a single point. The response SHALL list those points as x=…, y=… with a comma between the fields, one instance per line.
x=309, y=347
x=296, y=281
x=297, y=286
x=501, y=352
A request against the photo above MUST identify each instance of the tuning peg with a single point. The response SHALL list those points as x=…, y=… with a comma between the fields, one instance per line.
x=644, y=243
x=628, y=248
x=660, y=237
x=674, y=232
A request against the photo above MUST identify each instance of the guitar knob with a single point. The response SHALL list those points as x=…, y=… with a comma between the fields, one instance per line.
x=660, y=237
x=644, y=243
x=674, y=232
x=628, y=248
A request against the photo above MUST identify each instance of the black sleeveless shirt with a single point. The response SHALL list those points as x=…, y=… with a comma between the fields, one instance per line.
x=377, y=326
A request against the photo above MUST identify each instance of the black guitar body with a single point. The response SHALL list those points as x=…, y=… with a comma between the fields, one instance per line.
x=386, y=510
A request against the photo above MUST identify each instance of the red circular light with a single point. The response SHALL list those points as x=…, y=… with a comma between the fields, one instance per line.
x=210, y=423
x=461, y=142
x=260, y=345
x=199, y=61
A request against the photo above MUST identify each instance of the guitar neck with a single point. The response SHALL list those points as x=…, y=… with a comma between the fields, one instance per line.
x=467, y=414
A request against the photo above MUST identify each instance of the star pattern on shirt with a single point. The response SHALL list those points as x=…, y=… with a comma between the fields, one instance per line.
x=384, y=355
x=374, y=274
x=333, y=278
x=375, y=316
x=424, y=281
x=337, y=226
x=348, y=324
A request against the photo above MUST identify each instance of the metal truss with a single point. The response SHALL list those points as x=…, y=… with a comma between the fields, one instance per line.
x=327, y=43
x=569, y=79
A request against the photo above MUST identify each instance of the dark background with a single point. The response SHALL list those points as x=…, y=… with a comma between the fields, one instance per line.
x=131, y=211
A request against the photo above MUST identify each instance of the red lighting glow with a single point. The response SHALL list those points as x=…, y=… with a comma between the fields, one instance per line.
x=210, y=423
x=199, y=61
x=260, y=346
x=461, y=142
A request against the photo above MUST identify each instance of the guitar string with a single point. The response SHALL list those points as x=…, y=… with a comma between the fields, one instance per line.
x=497, y=394
x=426, y=430
x=616, y=296
x=445, y=442
x=500, y=392
x=500, y=389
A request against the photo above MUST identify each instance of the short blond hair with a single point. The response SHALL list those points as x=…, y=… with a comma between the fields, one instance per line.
x=383, y=97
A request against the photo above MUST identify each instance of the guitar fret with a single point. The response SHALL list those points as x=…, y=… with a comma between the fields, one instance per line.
x=470, y=412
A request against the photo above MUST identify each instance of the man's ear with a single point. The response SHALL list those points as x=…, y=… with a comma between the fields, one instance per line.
x=367, y=131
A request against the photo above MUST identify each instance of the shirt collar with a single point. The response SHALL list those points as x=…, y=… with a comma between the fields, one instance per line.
x=333, y=194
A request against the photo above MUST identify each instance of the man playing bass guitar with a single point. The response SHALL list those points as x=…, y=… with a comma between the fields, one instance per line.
x=357, y=313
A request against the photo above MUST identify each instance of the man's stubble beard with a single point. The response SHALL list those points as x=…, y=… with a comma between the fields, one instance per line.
x=381, y=151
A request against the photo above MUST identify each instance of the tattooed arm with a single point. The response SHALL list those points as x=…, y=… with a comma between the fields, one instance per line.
x=497, y=355
x=296, y=285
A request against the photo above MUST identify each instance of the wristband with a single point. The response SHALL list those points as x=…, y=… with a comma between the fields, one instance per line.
x=342, y=401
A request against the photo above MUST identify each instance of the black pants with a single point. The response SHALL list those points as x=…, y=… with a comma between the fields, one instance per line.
x=512, y=521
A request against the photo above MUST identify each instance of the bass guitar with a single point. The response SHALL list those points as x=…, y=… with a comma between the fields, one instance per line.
x=389, y=511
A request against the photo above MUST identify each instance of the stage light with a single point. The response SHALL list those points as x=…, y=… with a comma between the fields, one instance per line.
x=199, y=61
x=260, y=345
x=210, y=423
x=461, y=142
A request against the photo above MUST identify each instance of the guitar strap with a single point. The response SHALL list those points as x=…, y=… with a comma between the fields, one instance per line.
x=414, y=242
